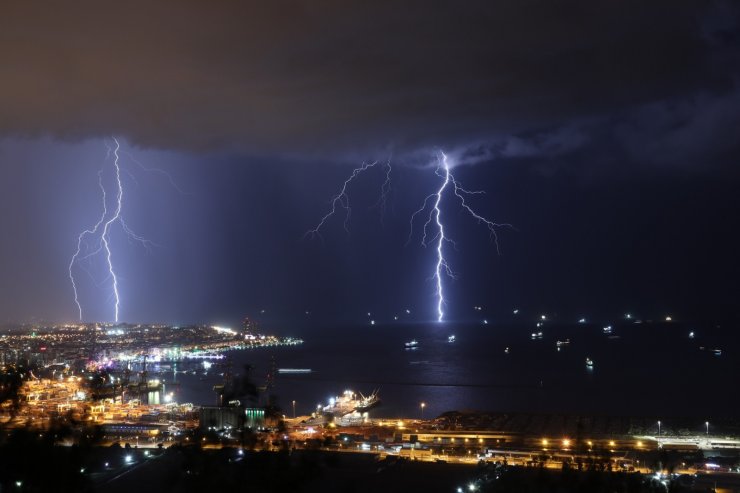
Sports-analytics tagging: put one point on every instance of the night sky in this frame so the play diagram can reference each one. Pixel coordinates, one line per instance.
(606, 132)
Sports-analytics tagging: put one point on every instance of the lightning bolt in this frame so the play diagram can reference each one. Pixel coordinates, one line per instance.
(80, 239)
(105, 237)
(385, 189)
(435, 215)
(100, 234)
(341, 200)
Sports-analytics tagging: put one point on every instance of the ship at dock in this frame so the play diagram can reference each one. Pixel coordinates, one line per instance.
(349, 408)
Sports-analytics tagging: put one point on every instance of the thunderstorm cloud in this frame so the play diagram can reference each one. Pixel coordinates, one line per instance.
(507, 79)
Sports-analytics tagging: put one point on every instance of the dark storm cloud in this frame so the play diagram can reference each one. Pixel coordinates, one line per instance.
(323, 77)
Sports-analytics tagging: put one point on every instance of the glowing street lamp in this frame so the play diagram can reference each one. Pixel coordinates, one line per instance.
(422, 405)
(658, 428)
(706, 423)
(293, 409)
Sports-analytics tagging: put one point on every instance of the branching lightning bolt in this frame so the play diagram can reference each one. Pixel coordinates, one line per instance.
(104, 238)
(341, 200)
(81, 237)
(435, 214)
(100, 235)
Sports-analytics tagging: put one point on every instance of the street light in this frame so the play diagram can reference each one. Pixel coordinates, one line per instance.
(658, 428)
(707, 424)
(294, 409)
(422, 405)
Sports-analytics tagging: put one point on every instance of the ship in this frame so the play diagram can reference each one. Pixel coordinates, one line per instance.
(351, 402)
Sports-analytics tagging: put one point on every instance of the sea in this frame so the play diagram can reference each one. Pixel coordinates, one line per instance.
(640, 369)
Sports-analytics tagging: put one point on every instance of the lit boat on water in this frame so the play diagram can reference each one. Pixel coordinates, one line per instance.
(714, 351)
(412, 344)
(351, 402)
(451, 339)
(589, 363)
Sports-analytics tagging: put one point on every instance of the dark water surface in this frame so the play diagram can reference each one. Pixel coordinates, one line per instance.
(652, 369)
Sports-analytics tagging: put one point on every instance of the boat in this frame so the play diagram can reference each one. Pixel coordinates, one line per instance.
(451, 338)
(536, 335)
(607, 329)
(589, 363)
(411, 344)
(294, 370)
(350, 402)
(563, 343)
